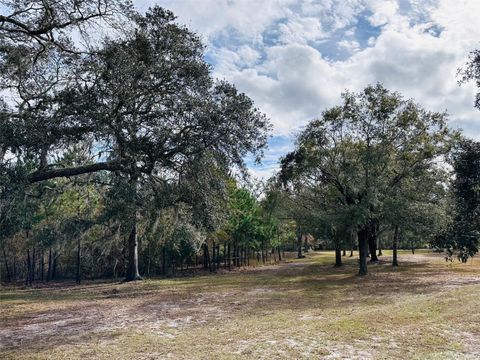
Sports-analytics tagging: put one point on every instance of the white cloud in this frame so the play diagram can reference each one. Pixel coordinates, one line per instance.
(349, 45)
(209, 17)
(293, 85)
(301, 30)
(295, 82)
(383, 11)
(248, 56)
(284, 52)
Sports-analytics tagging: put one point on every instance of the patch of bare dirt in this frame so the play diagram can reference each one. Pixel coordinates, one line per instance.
(167, 311)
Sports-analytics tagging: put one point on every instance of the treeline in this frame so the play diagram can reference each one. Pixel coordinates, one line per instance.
(124, 138)
(122, 156)
(71, 233)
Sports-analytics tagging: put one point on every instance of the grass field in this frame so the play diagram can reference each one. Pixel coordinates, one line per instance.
(303, 309)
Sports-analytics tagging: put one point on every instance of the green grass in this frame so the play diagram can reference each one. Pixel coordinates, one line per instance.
(426, 308)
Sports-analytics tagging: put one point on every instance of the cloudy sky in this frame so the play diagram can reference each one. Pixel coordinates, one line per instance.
(294, 57)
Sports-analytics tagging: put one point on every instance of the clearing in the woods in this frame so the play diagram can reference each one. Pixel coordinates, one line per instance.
(426, 308)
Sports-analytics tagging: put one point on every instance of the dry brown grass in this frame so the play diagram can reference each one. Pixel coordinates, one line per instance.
(426, 308)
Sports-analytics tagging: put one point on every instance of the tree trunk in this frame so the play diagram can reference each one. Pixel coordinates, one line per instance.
(352, 242)
(132, 263)
(206, 256)
(164, 260)
(264, 255)
(362, 251)
(132, 257)
(224, 255)
(234, 254)
(33, 264)
(9, 277)
(149, 260)
(299, 244)
(43, 264)
(238, 255)
(212, 263)
(28, 278)
(54, 265)
(338, 249)
(50, 264)
(114, 270)
(279, 253)
(79, 256)
(229, 260)
(372, 241)
(338, 256)
(395, 246)
(14, 268)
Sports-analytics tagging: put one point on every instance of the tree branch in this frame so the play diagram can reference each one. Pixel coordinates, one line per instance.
(42, 175)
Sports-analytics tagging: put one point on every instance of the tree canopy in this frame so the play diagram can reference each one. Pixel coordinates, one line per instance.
(122, 142)
(461, 235)
(143, 104)
(358, 155)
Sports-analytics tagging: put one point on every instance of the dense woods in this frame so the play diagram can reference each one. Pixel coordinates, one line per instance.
(122, 156)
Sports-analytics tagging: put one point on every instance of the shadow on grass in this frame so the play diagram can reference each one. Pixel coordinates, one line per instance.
(101, 309)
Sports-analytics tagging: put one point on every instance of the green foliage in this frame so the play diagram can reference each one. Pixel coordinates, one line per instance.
(461, 236)
(245, 224)
(349, 164)
(137, 123)
(471, 72)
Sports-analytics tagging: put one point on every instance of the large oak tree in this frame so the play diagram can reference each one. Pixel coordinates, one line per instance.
(145, 101)
(360, 153)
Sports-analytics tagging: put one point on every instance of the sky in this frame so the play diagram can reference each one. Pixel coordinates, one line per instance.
(294, 58)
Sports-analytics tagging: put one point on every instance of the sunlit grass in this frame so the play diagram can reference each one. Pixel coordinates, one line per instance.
(426, 308)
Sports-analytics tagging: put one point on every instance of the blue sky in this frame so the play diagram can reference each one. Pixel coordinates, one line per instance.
(294, 58)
